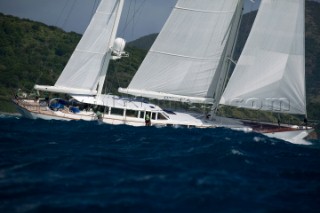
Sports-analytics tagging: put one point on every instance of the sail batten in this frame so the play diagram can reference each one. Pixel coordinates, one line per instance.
(204, 11)
(270, 73)
(93, 52)
(181, 56)
(185, 57)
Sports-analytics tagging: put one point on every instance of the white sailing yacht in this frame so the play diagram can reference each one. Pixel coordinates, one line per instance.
(189, 62)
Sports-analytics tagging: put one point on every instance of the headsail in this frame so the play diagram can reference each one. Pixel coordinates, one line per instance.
(270, 73)
(82, 72)
(182, 63)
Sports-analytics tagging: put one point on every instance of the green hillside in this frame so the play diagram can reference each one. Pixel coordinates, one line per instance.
(144, 42)
(30, 53)
(33, 53)
(313, 60)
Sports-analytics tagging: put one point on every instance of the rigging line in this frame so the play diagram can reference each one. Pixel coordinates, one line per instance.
(203, 11)
(94, 8)
(136, 11)
(127, 17)
(116, 64)
(182, 56)
(69, 13)
(62, 11)
(133, 18)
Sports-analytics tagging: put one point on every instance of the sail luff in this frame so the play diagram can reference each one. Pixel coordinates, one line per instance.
(304, 59)
(224, 67)
(107, 58)
(270, 73)
(230, 59)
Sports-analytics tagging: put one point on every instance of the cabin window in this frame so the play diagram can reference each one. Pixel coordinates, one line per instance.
(153, 116)
(116, 111)
(98, 108)
(161, 117)
(106, 110)
(131, 113)
(102, 109)
(141, 114)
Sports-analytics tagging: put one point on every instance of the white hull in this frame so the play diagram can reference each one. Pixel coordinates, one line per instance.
(33, 110)
(193, 74)
(296, 137)
(34, 115)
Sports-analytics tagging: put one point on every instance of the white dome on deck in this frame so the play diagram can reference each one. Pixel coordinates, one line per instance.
(118, 46)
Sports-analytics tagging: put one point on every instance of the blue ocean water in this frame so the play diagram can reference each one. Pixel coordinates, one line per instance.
(56, 166)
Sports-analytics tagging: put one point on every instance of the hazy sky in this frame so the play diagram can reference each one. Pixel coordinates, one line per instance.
(74, 15)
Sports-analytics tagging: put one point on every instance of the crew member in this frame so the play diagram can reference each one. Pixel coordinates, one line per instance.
(147, 120)
(99, 115)
(305, 121)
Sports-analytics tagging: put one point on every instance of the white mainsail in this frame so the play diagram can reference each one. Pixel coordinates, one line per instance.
(270, 73)
(88, 62)
(182, 64)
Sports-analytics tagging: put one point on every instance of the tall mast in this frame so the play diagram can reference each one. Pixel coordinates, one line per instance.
(304, 55)
(108, 56)
(228, 54)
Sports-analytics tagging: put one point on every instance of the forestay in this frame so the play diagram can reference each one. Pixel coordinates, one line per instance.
(270, 73)
(182, 63)
(80, 76)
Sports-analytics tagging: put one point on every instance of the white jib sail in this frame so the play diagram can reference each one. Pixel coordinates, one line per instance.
(80, 75)
(270, 73)
(183, 61)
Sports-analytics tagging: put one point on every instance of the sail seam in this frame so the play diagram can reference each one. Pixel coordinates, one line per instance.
(103, 13)
(84, 51)
(166, 96)
(204, 11)
(182, 56)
